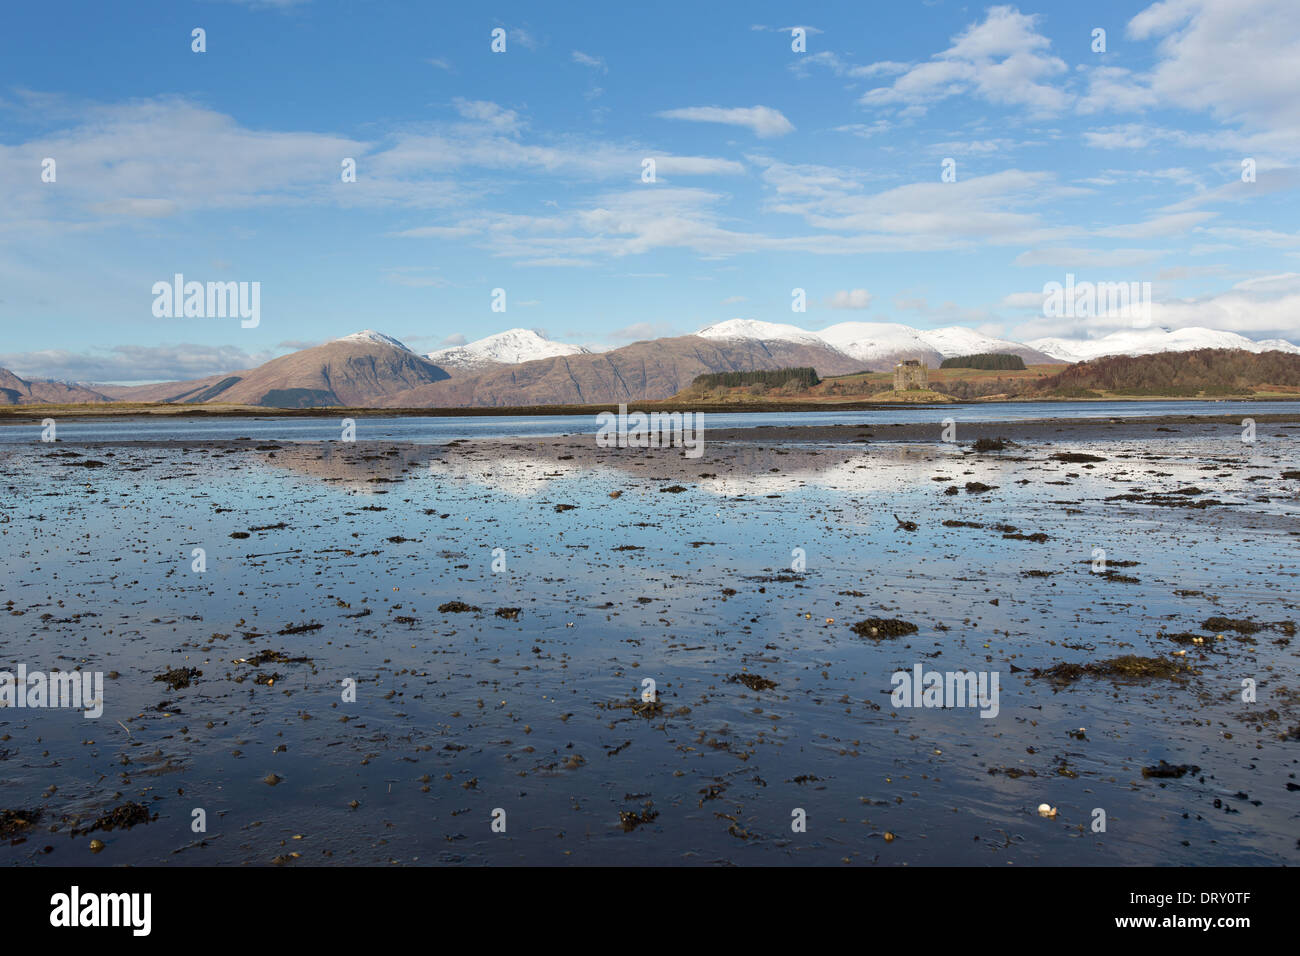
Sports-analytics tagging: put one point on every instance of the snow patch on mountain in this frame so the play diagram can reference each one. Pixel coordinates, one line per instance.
(877, 342)
(872, 341)
(763, 331)
(1154, 340)
(505, 348)
(957, 340)
(371, 337)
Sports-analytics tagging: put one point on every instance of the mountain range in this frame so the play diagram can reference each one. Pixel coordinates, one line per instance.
(520, 367)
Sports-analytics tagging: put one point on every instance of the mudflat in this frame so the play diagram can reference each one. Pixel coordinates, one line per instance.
(395, 653)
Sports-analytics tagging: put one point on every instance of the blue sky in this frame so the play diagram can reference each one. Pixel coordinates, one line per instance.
(523, 170)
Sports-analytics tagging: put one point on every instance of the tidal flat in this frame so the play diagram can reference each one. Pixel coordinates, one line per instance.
(498, 604)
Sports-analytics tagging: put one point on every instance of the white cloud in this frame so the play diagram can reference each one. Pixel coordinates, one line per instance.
(437, 232)
(1261, 307)
(136, 208)
(1177, 273)
(1022, 300)
(1170, 224)
(839, 67)
(1255, 237)
(975, 147)
(164, 157)
(641, 331)
(524, 38)
(415, 277)
(1240, 59)
(1112, 89)
(803, 179)
(167, 157)
(1076, 258)
(762, 120)
(1001, 208)
(488, 113)
(865, 130)
(595, 62)
(1003, 60)
(133, 363)
(850, 299)
(811, 31)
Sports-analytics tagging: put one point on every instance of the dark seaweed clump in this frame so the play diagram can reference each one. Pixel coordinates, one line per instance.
(879, 627)
(1170, 770)
(14, 822)
(457, 607)
(179, 678)
(1126, 667)
(752, 681)
(629, 820)
(119, 818)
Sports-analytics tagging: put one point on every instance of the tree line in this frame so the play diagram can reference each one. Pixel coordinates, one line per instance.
(805, 376)
(991, 361)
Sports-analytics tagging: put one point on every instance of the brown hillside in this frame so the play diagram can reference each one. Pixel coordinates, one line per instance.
(642, 371)
(20, 391)
(353, 374)
(336, 373)
(1180, 374)
(167, 391)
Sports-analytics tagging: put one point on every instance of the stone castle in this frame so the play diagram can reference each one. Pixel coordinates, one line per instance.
(909, 375)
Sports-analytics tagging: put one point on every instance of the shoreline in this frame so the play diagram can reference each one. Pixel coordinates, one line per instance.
(34, 413)
(1101, 428)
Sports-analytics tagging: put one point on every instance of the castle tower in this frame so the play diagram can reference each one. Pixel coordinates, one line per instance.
(909, 375)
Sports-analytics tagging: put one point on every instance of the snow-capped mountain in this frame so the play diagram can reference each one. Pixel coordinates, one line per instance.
(762, 331)
(877, 343)
(505, 348)
(370, 336)
(1153, 340)
(957, 340)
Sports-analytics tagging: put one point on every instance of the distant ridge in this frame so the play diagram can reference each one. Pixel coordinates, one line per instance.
(1155, 340)
(21, 391)
(363, 369)
(523, 367)
(880, 345)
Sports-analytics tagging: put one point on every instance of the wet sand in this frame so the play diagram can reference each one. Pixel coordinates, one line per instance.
(374, 562)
